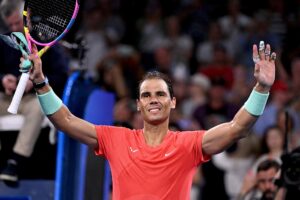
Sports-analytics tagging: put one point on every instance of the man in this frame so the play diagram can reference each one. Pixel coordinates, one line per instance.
(56, 70)
(154, 162)
(263, 186)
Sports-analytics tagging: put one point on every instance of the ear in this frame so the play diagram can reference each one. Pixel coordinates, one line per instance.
(137, 105)
(173, 103)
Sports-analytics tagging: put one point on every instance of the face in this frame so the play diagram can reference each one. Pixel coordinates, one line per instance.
(15, 22)
(275, 139)
(265, 180)
(155, 102)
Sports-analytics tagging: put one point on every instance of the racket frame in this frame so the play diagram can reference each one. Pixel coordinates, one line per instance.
(16, 100)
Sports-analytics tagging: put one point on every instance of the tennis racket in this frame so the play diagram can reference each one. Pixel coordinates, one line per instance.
(45, 23)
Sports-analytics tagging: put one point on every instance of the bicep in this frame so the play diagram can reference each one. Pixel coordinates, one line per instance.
(77, 128)
(217, 139)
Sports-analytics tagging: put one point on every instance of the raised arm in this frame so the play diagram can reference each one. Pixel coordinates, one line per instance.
(220, 137)
(59, 114)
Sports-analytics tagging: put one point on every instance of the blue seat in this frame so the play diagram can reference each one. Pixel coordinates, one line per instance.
(99, 107)
(89, 102)
(98, 110)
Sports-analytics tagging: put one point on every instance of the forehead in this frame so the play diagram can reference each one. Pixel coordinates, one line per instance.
(267, 174)
(15, 15)
(274, 132)
(152, 85)
(13, 19)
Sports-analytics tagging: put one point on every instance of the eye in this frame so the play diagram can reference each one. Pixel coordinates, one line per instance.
(145, 95)
(161, 94)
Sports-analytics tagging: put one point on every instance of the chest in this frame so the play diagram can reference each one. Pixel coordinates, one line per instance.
(170, 157)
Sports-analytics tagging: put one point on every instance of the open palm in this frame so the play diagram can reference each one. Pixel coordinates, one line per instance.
(264, 71)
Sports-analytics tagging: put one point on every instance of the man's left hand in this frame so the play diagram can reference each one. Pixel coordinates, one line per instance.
(264, 60)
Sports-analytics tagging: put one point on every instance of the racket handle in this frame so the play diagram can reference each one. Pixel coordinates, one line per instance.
(14, 105)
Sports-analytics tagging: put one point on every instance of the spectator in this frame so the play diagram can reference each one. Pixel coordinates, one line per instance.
(217, 109)
(234, 25)
(124, 111)
(241, 86)
(259, 31)
(123, 63)
(205, 49)
(220, 67)
(195, 19)
(150, 28)
(198, 88)
(262, 186)
(181, 45)
(271, 146)
(93, 33)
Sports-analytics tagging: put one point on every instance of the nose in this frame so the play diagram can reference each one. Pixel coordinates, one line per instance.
(153, 100)
(269, 185)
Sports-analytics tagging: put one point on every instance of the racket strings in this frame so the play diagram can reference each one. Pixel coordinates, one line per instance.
(49, 19)
(45, 30)
(58, 21)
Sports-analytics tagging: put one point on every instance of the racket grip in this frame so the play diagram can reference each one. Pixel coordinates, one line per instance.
(25, 66)
(14, 105)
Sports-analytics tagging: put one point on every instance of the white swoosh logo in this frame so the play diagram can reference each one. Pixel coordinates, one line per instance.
(168, 154)
(133, 150)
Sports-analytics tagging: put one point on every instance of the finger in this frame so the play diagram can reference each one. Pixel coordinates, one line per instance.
(34, 49)
(21, 62)
(256, 70)
(273, 57)
(255, 55)
(34, 53)
(268, 52)
(24, 55)
(34, 57)
(261, 50)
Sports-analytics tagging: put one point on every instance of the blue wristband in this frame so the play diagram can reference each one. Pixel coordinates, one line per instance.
(50, 102)
(256, 103)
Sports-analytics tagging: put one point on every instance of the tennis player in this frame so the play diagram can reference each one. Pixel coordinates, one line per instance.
(154, 162)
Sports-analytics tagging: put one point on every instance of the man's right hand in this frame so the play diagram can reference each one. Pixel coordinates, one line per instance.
(36, 73)
(9, 83)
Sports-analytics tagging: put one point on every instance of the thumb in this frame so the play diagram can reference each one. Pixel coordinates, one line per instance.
(34, 49)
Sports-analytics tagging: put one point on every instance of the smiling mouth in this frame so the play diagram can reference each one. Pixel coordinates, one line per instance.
(154, 110)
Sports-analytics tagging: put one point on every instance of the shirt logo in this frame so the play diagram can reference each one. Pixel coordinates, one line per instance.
(169, 153)
(133, 150)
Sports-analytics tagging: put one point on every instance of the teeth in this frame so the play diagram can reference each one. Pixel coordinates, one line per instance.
(154, 110)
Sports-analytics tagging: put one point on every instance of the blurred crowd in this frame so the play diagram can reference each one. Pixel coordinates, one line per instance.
(206, 48)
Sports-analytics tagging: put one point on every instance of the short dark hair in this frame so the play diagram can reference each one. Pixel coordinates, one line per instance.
(268, 164)
(157, 75)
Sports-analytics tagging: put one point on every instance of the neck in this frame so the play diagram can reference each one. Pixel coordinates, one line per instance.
(155, 134)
